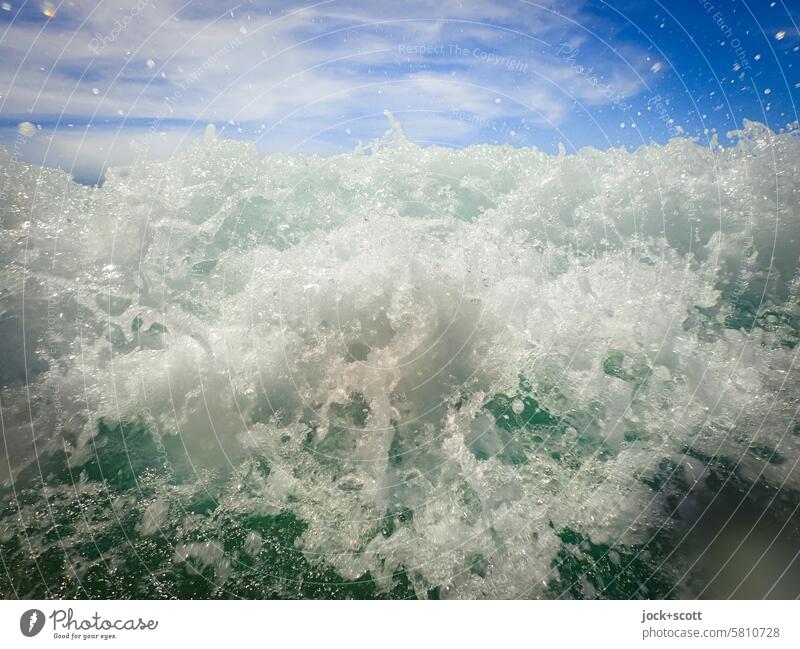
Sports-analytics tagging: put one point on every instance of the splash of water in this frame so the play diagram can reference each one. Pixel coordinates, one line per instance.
(395, 372)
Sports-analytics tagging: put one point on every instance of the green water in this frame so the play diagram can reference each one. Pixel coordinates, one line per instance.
(70, 532)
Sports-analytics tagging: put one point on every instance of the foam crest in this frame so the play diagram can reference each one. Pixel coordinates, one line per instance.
(427, 368)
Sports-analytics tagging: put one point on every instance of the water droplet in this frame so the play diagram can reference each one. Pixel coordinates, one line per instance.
(26, 129)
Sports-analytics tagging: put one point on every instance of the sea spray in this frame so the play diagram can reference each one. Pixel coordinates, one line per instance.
(403, 371)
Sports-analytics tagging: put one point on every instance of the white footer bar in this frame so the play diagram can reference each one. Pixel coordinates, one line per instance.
(406, 625)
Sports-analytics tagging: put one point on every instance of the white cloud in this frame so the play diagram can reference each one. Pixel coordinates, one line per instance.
(299, 69)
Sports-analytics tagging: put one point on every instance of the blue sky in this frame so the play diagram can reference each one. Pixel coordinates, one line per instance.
(95, 77)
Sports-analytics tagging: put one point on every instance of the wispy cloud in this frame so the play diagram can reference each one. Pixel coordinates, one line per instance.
(292, 70)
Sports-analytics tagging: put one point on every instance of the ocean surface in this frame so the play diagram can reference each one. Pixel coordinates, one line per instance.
(404, 372)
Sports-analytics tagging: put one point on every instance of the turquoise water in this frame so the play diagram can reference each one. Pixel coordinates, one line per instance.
(404, 373)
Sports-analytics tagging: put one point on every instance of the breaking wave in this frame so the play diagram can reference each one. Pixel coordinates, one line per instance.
(398, 372)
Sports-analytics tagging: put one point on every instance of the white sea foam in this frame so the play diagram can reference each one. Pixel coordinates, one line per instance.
(349, 318)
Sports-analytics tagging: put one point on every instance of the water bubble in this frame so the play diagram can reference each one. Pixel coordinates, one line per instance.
(26, 129)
